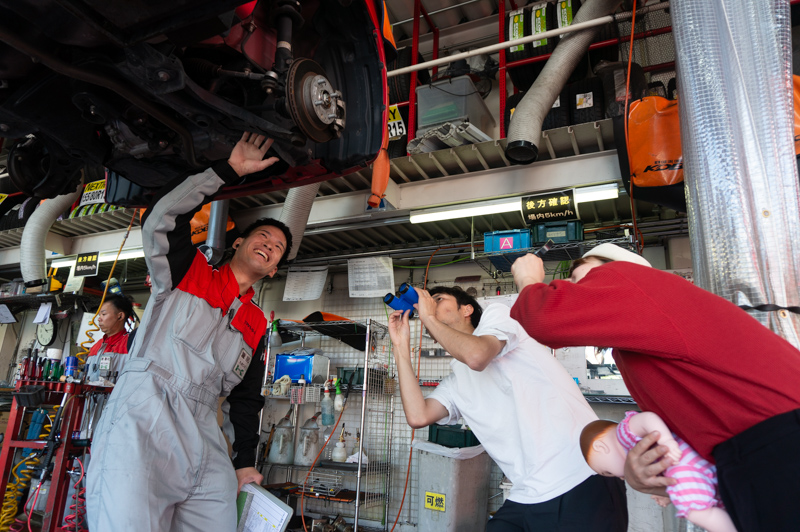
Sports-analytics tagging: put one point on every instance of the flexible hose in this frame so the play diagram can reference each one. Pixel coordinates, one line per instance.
(413, 431)
(75, 520)
(93, 326)
(310, 469)
(637, 234)
(15, 490)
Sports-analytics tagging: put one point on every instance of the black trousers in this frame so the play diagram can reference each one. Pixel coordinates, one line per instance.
(598, 504)
(759, 475)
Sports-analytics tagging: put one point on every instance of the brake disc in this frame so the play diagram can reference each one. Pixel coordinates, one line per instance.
(314, 105)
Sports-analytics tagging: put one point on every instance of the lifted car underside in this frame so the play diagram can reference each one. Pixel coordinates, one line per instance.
(156, 90)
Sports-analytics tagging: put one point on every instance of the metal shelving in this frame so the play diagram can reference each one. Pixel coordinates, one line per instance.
(362, 490)
(502, 261)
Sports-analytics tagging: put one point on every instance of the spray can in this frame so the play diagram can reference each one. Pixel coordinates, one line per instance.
(71, 367)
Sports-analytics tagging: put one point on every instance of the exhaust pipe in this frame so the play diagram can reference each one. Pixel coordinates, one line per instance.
(522, 146)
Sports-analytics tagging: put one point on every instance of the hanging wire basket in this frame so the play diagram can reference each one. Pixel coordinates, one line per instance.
(297, 395)
(327, 483)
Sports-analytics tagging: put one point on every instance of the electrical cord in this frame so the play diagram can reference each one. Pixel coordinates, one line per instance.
(94, 328)
(325, 444)
(637, 234)
(74, 520)
(413, 431)
(310, 469)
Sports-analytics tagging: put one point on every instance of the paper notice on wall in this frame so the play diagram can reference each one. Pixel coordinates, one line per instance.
(305, 283)
(370, 277)
(6, 316)
(43, 314)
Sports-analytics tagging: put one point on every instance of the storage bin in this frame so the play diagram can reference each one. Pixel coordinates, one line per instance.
(558, 232)
(313, 367)
(29, 395)
(453, 100)
(452, 492)
(506, 240)
(452, 436)
(344, 375)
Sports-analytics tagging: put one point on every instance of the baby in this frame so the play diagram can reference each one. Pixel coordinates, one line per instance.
(605, 445)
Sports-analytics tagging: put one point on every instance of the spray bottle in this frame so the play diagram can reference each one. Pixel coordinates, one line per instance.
(326, 405)
(338, 403)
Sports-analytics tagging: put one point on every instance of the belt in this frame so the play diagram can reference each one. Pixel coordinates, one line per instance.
(181, 385)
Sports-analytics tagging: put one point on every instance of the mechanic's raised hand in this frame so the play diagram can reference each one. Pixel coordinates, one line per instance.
(247, 156)
(426, 306)
(246, 475)
(400, 331)
(644, 466)
(528, 269)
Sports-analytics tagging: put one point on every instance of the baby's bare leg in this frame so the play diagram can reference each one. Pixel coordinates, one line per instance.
(712, 519)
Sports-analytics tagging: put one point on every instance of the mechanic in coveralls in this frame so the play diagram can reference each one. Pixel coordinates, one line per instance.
(159, 460)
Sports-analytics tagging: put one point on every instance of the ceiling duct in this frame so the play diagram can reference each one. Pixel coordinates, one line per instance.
(31, 248)
(525, 130)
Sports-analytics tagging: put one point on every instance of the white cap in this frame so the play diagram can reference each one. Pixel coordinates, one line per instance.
(615, 253)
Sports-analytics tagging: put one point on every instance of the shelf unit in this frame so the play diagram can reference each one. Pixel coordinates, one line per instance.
(371, 479)
(502, 261)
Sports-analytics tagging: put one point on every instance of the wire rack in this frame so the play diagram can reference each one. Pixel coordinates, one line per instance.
(360, 490)
(324, 482)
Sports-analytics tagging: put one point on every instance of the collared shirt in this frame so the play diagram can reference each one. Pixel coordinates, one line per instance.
(116, 343)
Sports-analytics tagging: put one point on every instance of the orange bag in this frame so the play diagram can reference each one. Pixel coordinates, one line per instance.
(654, 142)
(200, 224)
(653, 168)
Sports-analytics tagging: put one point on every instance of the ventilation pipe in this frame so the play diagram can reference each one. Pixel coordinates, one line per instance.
(522, 146)
(734, 76)
(295, 212)
(214, 248)
(31, 248)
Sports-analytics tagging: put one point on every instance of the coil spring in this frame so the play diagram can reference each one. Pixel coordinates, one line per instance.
(15, 490)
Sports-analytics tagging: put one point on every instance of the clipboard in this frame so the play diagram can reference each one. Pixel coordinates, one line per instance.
(257, 510)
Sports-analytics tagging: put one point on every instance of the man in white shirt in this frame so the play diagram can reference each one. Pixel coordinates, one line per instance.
(521, 404)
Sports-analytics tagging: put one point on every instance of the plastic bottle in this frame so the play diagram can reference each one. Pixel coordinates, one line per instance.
(326, 405)
(338, 403)
(339, 453)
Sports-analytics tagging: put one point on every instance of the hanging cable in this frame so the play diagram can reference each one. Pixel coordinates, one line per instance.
(76, 520)
(413, 431)
(310, 469)
(637, 234)
(93, 326)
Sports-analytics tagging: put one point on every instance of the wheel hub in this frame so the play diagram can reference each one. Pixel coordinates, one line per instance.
(314, 105)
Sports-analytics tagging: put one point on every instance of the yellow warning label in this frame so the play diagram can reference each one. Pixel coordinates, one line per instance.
(3, 197)
(434, 501)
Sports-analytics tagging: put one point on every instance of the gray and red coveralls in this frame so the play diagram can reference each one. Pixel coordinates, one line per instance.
(159, 460)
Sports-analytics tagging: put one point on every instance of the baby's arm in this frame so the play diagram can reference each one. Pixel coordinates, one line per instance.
(646, 422)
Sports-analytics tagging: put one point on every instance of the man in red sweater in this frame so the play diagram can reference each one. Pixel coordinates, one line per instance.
(717, 377)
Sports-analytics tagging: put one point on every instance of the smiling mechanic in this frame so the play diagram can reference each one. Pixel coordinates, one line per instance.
(159, 460)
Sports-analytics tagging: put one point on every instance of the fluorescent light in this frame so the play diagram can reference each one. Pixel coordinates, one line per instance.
(465, 211)
(105, 256)
(108, 256)
(63, 263)
(596, 193)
